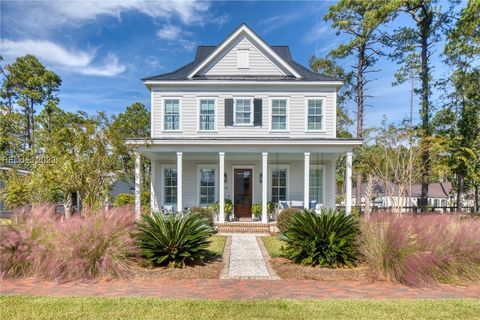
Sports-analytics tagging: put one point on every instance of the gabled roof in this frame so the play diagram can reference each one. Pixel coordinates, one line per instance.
(205, 54)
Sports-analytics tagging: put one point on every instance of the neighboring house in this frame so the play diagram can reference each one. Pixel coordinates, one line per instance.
(440, 195)
(244, 122)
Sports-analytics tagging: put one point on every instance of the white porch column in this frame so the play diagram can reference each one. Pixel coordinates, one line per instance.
(179, 182)
(348, 184)
(221, 193)
(306, 181)
(153, 189)
(138, 185)
(264, 186)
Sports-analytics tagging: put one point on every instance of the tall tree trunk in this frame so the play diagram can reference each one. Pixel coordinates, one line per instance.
(360, 100)
(425, 25)
(69, 206)
(459, 192)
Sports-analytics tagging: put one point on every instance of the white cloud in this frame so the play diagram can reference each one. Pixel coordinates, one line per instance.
(68, 59)
(317, 32)
(169, 32)
(177, 36)
(42, 17)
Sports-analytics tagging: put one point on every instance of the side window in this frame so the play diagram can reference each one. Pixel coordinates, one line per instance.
(171, 118)
(315, 114)
(170, 185)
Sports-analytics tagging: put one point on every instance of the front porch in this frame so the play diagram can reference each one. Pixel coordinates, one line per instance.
(240, 175)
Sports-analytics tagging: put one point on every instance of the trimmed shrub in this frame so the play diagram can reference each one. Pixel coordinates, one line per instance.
(326, 239)
(174, 240)
(419, 250)
(127, 199)
(205, 213)
(284, 219)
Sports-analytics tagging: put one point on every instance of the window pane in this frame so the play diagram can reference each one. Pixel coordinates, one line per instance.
(279, 114)
(207, 186)
(170, 185)
(172, 114)
(207, 114)
(316, 184)
(242, 111)
(279, 185)
(315, 115)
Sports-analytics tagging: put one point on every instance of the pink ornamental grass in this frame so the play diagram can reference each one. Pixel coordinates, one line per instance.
(39, 244)
(420, 250)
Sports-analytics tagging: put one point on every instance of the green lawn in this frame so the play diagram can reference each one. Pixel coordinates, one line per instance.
(24, 308)
(273, 246)
(217, 244)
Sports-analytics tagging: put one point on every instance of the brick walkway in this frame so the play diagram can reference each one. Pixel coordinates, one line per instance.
(235, 289)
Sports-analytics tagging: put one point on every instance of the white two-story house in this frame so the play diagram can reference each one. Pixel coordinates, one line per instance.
(243, 121)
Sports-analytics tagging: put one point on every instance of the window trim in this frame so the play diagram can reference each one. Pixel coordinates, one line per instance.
(270, 174)
(215, 125)
(217, 182)
(287, 129)
(162, 184)
(318, 166)
(180, 109)
(250, 124)
(324, 109)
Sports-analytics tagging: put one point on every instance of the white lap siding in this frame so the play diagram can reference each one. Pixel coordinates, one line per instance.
(296, 113)
(191, 187)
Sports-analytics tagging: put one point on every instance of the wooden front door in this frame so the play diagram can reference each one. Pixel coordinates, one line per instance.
(242, 193)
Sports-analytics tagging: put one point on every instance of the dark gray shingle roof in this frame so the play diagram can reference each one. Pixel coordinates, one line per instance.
(204, 51)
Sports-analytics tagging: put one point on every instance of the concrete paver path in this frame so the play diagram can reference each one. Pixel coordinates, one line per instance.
(246, 259)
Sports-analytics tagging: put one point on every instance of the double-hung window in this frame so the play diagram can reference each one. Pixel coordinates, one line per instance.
(316, 184)
(279, 184)
(243, 111)
(207, 185)
(171, 118)
(279, 114)
(315, 114)
(170, 185)
(207, 114)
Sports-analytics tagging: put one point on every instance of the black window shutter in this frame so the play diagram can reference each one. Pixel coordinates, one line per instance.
(228, 112)
(257, 112)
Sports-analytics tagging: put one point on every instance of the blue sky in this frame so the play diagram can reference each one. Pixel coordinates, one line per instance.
(102, 49)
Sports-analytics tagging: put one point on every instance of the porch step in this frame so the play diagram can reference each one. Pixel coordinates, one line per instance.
(244, 227)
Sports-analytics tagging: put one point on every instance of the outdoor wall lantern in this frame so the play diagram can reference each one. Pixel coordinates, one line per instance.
(225, 177)
(261, 177)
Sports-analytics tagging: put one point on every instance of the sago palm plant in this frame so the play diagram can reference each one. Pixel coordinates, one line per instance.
(326, 239)
(174, 240)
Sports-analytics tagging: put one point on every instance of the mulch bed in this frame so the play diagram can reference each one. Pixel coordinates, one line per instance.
(287, 269)
(207, 270)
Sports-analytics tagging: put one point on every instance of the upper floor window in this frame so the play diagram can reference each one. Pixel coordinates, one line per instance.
(171, 118)
(315, 114)
(207, 115)
(279, 114)
(243, 58)
(243, 111)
